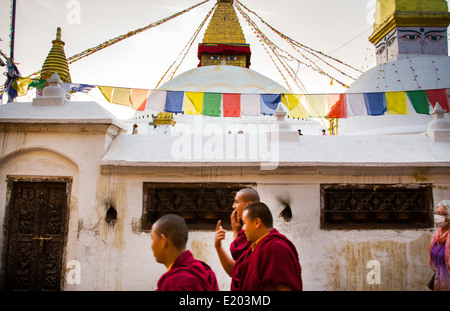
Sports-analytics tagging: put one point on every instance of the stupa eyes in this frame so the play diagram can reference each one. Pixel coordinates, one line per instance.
(231, 57)
(411, 37)
(215, 57)
(434, 37)
(381, 50)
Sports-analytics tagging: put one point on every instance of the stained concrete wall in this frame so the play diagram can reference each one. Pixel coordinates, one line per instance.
(120, 258)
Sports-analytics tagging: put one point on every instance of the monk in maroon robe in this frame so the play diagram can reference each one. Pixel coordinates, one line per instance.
(184, 272)
(240, 243)
(271, 263)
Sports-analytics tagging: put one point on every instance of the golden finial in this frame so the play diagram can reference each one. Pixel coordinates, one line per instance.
(58, 33)
(56, 61)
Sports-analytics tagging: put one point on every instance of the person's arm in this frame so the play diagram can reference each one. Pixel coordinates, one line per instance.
(225, 259)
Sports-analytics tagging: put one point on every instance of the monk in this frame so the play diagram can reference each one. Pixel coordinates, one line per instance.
(240, 244)
(184, 273)
(271, 263)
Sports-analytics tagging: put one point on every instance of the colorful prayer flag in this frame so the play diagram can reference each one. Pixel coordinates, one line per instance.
(396, 103)
(174, 101)
(297, 109)
(77, 87)
(250, 104)
(375, 103)
(438, 96)
(356, 105)
(269, 103)
(193, 103)
(419, 101)
(231, 105)
(138, 99)
(337, 104)
(156, 100)
(106, 91)
(317, 105)
(211, 104)
(21, 85)
(11, 91)
(121, 96)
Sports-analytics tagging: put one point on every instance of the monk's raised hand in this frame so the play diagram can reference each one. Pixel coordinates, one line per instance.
(220, 235)
(235, 221)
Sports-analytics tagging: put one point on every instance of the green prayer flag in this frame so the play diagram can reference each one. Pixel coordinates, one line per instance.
(419, 101)
(212, 104)
(38, 84)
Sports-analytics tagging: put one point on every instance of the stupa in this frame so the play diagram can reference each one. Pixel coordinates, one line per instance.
(56, 61)
(224, 61)
(411, 44)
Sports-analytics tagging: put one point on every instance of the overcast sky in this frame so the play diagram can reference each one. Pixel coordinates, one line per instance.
(340, 28)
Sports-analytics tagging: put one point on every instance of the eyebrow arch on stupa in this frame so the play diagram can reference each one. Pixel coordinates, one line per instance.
(420, 33)
(431, 31)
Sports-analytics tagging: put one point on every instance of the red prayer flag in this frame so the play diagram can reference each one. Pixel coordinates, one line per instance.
(337, 104)
(231, 105)
(138, 99)
(438, 96)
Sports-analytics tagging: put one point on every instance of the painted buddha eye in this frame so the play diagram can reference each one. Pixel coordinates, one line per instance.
(381, 50)
(434, 37)
(231, 57)
(215, 57)
(411, 37)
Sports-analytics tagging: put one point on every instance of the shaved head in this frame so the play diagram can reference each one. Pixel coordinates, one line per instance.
(248, 194)
(174, 228)
(261, 211)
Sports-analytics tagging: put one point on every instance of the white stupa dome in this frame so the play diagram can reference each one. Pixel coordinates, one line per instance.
(408, 73)
(432, 71)
(223, 79)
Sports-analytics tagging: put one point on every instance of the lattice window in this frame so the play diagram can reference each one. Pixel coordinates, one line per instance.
(200, 204)
(376, 206)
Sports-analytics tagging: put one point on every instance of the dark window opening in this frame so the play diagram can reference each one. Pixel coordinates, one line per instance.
(202, 205)
(376, 206)
(286, 213)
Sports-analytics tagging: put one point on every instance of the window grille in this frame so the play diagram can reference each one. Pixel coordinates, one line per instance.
(200, 204)
(376, 206)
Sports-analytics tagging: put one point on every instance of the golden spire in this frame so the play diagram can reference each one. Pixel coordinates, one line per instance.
(224, 41)
(224, 26)
(56, 61)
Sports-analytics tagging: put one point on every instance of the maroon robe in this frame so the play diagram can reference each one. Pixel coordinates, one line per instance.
(274, 261)
(188, 274)
(239, 245)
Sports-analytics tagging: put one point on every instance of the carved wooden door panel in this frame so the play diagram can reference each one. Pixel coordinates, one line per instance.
(36, 235)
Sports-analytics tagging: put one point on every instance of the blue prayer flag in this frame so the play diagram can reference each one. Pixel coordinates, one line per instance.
(174, 101)
(375, 103)
(269, 103)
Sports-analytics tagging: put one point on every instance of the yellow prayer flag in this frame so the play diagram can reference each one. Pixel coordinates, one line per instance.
(121, 96)
(193, 103)
(106, 91)
(396, 103)
(290, 101)
(294, 103)
(317, 105)
(21, 85)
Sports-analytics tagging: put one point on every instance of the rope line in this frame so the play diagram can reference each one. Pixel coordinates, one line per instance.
(296, 42)
(187, 48)
(129, 34)
(275, 48)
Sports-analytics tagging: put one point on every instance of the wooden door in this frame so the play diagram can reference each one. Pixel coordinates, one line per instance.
(37, 216)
